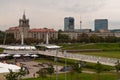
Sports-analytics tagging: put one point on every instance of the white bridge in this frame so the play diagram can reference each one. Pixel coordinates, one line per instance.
(55, 53)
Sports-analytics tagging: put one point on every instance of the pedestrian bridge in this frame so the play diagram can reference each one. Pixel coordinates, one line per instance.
(55, 53)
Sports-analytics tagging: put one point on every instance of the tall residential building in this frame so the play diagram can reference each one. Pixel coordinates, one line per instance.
(68, 24)
(101, 24)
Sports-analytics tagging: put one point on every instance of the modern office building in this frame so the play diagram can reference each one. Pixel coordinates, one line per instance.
(68, 24)
(101, 24)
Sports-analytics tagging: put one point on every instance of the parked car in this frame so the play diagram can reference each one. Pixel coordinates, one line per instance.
(66, 68)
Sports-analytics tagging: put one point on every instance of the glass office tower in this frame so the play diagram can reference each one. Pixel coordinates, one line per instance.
(68, 24)
(101, 24)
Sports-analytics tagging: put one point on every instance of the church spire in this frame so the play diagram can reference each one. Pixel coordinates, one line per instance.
(24, 17)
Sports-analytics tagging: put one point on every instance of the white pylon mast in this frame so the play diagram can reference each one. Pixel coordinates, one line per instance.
(22, 36)
(47, 38)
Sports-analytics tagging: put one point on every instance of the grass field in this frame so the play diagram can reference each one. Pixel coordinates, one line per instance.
(1, 50)
(111, 50)
(103, 46)
(82, 76)
(111, 54)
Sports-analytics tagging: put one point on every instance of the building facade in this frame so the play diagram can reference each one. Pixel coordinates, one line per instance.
(77, 35)
(69, 24)
(101, 24)
(24, 29)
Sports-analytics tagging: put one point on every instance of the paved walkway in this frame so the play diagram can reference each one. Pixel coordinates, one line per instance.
(33, 67)
(87, 58)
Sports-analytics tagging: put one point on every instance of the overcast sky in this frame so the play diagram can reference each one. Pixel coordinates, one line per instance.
(51, 13)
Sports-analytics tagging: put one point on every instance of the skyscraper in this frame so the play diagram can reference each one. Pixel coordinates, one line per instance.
(101, 24)
(68, 24)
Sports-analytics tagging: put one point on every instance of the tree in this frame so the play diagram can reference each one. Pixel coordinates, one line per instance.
(117, 67)
(16, 75)
(94, 38)
(12, 75)
(50, 70)
(42, 73)
(98, 69)
(22, 72)
(77, 68)
(111, 39)
(63, 38)
(2, 37)
(9, 38)
(84, 38)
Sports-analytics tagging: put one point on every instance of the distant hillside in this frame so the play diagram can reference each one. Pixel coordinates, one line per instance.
(102, 46)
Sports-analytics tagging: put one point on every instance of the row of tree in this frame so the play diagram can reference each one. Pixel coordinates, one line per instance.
(84, 38)
(62, 38)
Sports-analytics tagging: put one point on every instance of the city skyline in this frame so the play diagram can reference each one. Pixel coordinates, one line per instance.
(51, 13)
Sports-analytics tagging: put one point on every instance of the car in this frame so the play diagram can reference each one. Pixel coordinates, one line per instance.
(66, 68)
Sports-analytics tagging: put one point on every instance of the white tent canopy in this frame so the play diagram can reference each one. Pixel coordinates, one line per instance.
(5, 67)
(20, 47)
(27, 55)
(34, 55)
(53, 47)
(16, 55)
(49, 46)
(2, 55)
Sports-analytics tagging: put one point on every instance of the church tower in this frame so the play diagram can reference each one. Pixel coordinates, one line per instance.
(24, 26)
(24, 22)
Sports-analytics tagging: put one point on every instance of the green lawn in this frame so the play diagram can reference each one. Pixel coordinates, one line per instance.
(1, 49)
(103, 46)
(111, 54)
(109, 49)
(82, 76)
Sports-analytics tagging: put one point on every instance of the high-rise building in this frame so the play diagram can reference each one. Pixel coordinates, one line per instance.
(68, 24)
(101, 24)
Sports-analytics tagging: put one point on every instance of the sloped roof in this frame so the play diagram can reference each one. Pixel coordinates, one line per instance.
(42, 30)
(14, 28)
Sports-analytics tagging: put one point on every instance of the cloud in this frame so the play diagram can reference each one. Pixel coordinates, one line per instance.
(51, 12)
(82, 6)
(76, 6)
(85, 6)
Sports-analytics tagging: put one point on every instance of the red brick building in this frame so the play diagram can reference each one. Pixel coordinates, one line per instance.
(24, 28)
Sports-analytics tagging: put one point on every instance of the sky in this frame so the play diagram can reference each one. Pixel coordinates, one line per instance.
(51, 13)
